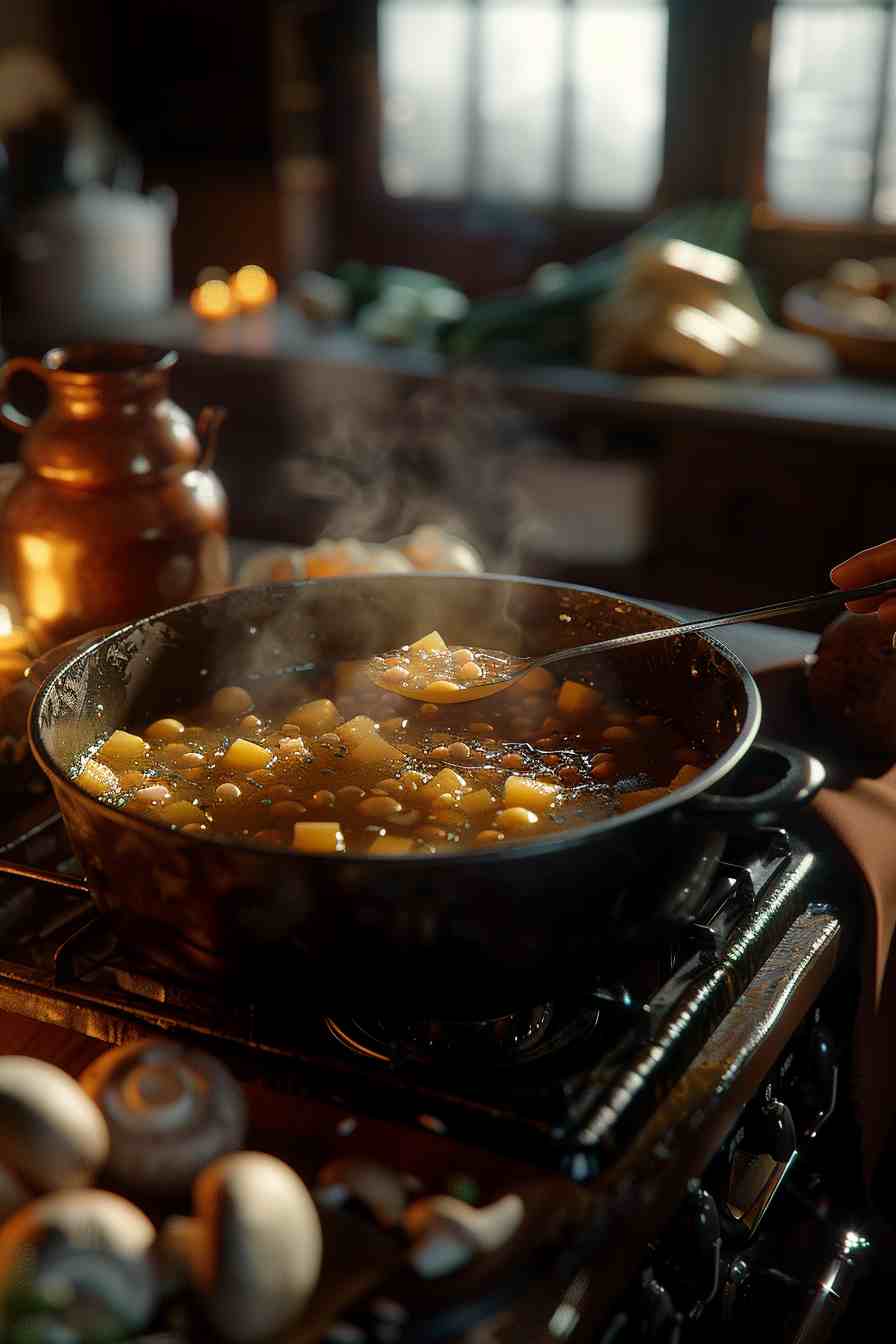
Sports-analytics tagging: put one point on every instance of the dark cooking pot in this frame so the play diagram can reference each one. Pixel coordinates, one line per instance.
(464, 935)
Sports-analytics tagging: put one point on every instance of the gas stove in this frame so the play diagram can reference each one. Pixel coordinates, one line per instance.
(671, 1127)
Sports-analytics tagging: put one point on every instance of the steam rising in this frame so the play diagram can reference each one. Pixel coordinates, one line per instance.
(382, 462)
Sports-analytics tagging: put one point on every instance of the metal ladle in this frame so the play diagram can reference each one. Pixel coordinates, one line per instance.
(515, 668)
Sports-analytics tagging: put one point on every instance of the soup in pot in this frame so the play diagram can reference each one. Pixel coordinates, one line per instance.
(328, 763)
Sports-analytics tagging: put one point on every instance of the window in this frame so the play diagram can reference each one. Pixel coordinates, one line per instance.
(541, 102)
(831, 146)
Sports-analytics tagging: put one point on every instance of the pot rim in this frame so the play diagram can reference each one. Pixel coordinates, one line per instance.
(512, 851)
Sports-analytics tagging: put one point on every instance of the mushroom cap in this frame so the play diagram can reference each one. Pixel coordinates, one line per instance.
(51, 1133)
(170, 1110)
(257, 1252)
(80, 1260)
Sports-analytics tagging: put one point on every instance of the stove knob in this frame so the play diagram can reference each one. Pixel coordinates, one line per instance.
(690, 1251)
(657, 1318)
(770, 1130)
(760, 1163)
(813, 1090)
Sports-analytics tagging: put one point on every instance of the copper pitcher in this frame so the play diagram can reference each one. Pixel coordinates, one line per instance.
(118, 513)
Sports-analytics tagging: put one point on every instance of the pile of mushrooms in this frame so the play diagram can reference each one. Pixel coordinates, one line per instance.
(163, 1124)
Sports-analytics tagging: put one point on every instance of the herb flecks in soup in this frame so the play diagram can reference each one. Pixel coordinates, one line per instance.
(429, 670)
(331, 763)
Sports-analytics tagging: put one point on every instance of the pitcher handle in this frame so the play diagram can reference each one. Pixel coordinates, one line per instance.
(208, 429)
(9, 414)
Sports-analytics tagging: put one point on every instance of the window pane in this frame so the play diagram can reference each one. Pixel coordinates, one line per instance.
(521, 74)
(619, 86)
(885, 197)
(424, 49)
(825, 76)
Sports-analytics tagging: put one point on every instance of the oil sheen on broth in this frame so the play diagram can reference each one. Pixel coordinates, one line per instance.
(329, 762)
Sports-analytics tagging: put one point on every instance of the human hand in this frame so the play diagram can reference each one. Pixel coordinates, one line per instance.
(870, 566)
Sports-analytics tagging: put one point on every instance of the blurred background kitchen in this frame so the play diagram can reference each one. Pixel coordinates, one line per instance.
(583, 282)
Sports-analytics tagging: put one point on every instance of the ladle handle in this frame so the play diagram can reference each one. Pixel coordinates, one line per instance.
(732, 618)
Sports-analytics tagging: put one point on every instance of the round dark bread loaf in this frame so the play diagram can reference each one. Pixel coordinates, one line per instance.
(852, 685)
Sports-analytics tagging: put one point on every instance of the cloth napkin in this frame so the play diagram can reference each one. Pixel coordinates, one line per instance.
(863, 816)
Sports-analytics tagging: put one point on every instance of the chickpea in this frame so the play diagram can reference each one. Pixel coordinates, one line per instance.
(164, 730)
(192, 759)
(193, 828)
(480, 726)
(618, 732)
(470, 672)
(290, 810)
(194, 775)
(289, 730)
(379, 807)
(250, 724)
(228, 793)
(154, 793)
(462, 656)
(230, 701)
(429, 711)
(513, 761)
(350, 794)
(392, 787)
(323, 798)
(603, 768)
(569, 775)
(546, 743)
(489, 837)
(131, 779)
(459, 751)
(394, 676)
(441, 753)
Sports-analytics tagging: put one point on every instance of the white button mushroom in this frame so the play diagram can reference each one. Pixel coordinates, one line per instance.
(447, 1234)
(170, 1111)
(51, 1134)
(75, 1265)
(253, 1250)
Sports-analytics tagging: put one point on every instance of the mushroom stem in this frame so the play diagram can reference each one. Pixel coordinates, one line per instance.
(254, 1247)
(447, 1234)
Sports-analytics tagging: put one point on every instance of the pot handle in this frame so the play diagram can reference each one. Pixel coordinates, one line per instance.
(803, 776)
(9, 414)
(208, 428)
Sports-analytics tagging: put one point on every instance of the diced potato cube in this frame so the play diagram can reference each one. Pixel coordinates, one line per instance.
(446, 781)
(627, 802)
(318, 837)
(539, 679)
(357, 728)
(532, 793)
(318, 716)
(244, 755)
(97, 779)
(165, 730)
(180, 814)
(515, 819)
(375, 750)
(121, 748)
(431, 643)
(575, 698)
(391, 844)
(477, 802)
(685, 775)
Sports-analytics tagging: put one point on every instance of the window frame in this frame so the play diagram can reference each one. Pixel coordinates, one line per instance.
(713, 147)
